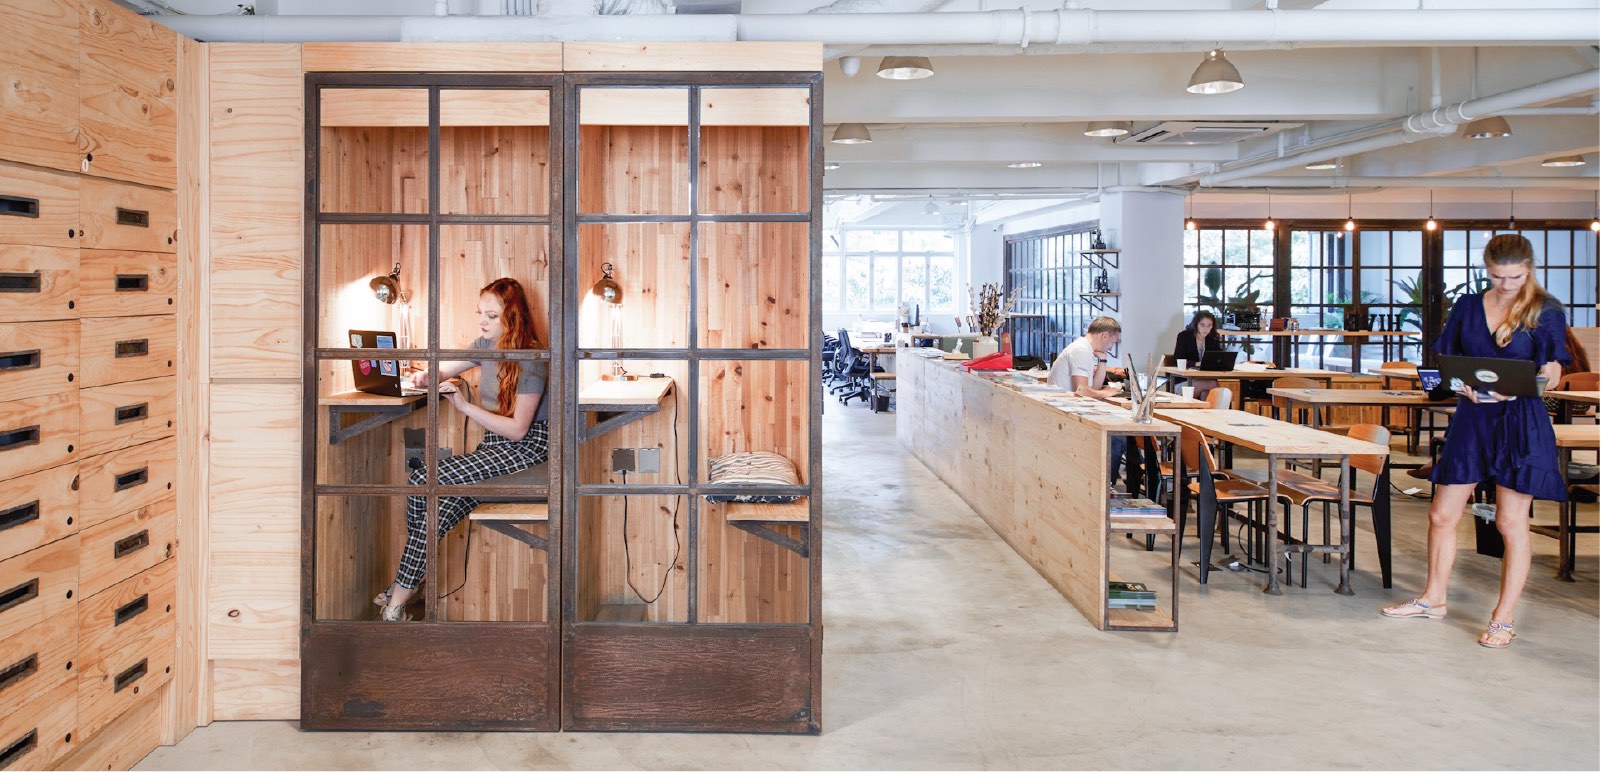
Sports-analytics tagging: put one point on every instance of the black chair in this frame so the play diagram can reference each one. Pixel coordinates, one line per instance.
(854, 370)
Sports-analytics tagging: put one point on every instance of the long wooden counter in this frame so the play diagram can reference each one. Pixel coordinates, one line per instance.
(1033, 464)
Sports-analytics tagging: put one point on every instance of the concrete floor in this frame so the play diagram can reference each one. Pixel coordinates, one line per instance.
(945, 650)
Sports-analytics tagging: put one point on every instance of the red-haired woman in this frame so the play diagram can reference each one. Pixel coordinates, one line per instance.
(512, 411)
(1499, 438)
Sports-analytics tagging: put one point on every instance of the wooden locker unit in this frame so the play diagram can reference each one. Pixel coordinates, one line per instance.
(123, 415)
(126, 283)
(39, 59)
(127, 348)
(128, 84)
(38, 508)
(38, 358)
(38, 207)
(40, 283)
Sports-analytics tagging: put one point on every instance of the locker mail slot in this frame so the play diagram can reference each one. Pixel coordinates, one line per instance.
(19, 515)
(20, 748)
(37, 509)
(133, 282)
(19, 206)
(22, 282)
(127, 480)
(131, 609)
(132, 479)
(19, 594)
(131, 544)
(133, 348)
(127, 677)
(123, 546)
(37, 733)
(21, 360)
(38, 586)
(138, 218)
(128, 413)
(17, 672)
(121, 349)
(123, 415)
(38, 659)
(124, 612)
(121, 678)
(19, 438)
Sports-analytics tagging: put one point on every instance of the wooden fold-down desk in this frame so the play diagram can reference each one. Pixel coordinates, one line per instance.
(379, 409)
(618, 403)
(1035, 472)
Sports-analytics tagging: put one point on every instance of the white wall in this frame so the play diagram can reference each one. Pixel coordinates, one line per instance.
(1149, 227)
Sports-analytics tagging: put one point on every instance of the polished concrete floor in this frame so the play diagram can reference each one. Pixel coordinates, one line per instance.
(945, 650)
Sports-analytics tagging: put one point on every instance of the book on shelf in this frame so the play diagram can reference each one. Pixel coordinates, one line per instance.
(1136, 605)
(1132, 507)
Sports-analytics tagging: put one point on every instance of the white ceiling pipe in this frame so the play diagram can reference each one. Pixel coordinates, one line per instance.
(1570, 183)
(1014, 28)
(1418, 126)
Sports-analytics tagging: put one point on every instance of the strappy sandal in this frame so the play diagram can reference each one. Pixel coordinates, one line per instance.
(381, 599)
(1498, 635)
(394, 614)
(1414, 608)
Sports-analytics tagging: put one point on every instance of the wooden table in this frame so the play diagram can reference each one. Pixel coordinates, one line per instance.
(619, 403)
(1285, 353)
(873, 375)
(1246, 375)
(1280, 441)
(1570, 437)
(1314, 400)
(1409, 374)
(1566, 400)
(1164, 402)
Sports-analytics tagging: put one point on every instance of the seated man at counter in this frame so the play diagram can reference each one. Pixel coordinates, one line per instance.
(1081, 368)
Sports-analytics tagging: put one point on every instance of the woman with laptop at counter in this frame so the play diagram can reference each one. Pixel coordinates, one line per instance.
(1197, 338)
(1493, 436)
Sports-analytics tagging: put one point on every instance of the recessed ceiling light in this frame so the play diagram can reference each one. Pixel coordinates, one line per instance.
(851, 134)
(1215, 75)
(1107, 128)
(1025, 165)
(1564, 160)
(1321, 165)
(830, 166)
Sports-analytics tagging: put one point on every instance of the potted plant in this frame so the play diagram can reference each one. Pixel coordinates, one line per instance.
(990, 311)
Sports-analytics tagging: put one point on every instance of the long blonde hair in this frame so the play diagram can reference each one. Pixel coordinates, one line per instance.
(1510, 249)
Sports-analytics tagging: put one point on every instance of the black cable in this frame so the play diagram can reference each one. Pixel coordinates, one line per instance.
(628, 572)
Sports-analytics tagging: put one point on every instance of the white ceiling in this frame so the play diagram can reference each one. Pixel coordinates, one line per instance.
(993, 103)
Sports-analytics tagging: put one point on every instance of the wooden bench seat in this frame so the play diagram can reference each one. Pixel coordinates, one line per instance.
(883, 376)
(783, 514)
(512, 512)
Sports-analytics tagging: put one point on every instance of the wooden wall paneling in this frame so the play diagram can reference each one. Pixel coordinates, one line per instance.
(655, 544)
(122, 283)
(49, 201)
(253, 587)
(753, 284)
(51, 496)
(651, 262)
(55, 568)
(359, 539)
(476, 56)
(46, 282)
(256, 689)
(127, 348)
(352, 255)
(504, 580)
(53, 718)
(126, 414)
(371, 107)
(39, 65)
(752, 107)
(374, 169)
(38, 358)
(745, 579)
(111, 551)
(495, 169)
(123, 742)
(113, 484)
(472, 256)
(117, 215)
(53, 645)
(127, 84)
(666, 430)
(633, 169)
(750, 405)
(760, 169)
(189, 703)
(55, 419)
(256, 180)
(692, 56)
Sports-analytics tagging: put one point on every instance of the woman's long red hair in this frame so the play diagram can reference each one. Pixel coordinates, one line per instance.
(519, 323)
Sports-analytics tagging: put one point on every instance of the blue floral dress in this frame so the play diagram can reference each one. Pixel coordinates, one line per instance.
(1510, 443)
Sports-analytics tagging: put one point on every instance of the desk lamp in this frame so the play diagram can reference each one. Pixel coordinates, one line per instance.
(610, 292)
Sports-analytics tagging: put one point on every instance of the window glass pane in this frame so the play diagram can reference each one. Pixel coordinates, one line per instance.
(884, 283)
(1262, 248)
(1192, 246)
(831, 283)
(928, 241)
(914, 281)
(1406, 248)
(1584, 287)
(856, 270)
(1375, 285)
(1375, 248)
(1559, 248)
(942, 284)
(616, 125)
(1560, 284)
(1584, 248)
(1300, 248)
(1456, 248)
(1211, 247)
(871, 241)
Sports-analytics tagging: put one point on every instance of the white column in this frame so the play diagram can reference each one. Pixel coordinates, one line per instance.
(1148, 226)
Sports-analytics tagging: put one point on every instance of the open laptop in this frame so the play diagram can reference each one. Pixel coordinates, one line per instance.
(1218, 361)
(1508, 377)
(378, 376)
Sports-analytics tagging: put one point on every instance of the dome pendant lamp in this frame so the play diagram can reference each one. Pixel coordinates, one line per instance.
(1215, 75)
(851, 134)
(905, 68)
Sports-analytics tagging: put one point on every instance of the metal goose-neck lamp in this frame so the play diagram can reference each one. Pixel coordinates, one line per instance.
(607, 288)
(386, 288)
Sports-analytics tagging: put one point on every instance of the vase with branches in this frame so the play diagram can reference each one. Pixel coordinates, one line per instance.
(991, 307)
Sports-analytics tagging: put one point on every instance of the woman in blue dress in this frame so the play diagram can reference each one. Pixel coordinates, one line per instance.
(1499, 438)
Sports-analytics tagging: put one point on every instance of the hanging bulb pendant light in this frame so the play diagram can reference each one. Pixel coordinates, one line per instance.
(1189, 214)
(1431, 225)
(1269, 224)
(1350, 220)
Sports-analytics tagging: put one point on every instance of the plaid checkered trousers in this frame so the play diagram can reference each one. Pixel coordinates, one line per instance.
(494, 457)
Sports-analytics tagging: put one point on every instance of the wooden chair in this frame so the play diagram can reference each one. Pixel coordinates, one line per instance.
(1220, 398)
(1253, 392)
(1305, 490)
(1576, 382)
(1214, 497)
(1281, 406)
(1413, 426)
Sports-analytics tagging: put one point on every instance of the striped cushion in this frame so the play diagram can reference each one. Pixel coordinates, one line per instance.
(756, 468)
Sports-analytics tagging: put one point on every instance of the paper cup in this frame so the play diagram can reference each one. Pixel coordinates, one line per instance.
(1188, 392)
(1184, 364)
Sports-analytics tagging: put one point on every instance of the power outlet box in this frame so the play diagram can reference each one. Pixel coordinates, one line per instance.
(622, 460)
(648, 460)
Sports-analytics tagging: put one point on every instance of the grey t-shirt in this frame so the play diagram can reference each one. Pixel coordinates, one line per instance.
(530, 381)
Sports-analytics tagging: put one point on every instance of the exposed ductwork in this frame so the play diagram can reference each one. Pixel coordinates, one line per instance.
(1010, 28)
(1438, 122)
(1342, 182)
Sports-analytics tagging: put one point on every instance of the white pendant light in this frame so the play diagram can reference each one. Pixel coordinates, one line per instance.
(1493, 127)
(1024, 165)
(1322, 165)
(1107, 128)
(905, 67)
(851, 134)
(1562, 161)
(1215, 75)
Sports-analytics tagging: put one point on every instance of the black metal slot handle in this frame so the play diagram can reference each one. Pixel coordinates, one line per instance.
(126, 678)
(132, 479)
(19, 670)
(133, 282)
(21, 360)
(19, 594)
(132, 609)
(131, 544)
(22, 282)
(22, 514)
(19, 748)
(129, 413)
(19, 438)
(133, 348)
(19, 206)
(138, 218)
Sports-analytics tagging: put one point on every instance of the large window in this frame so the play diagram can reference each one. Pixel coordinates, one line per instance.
(1050, 274)
(1228, 269)
(879, 271)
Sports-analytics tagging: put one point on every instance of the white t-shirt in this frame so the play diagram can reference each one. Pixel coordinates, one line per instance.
(1077, 359)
